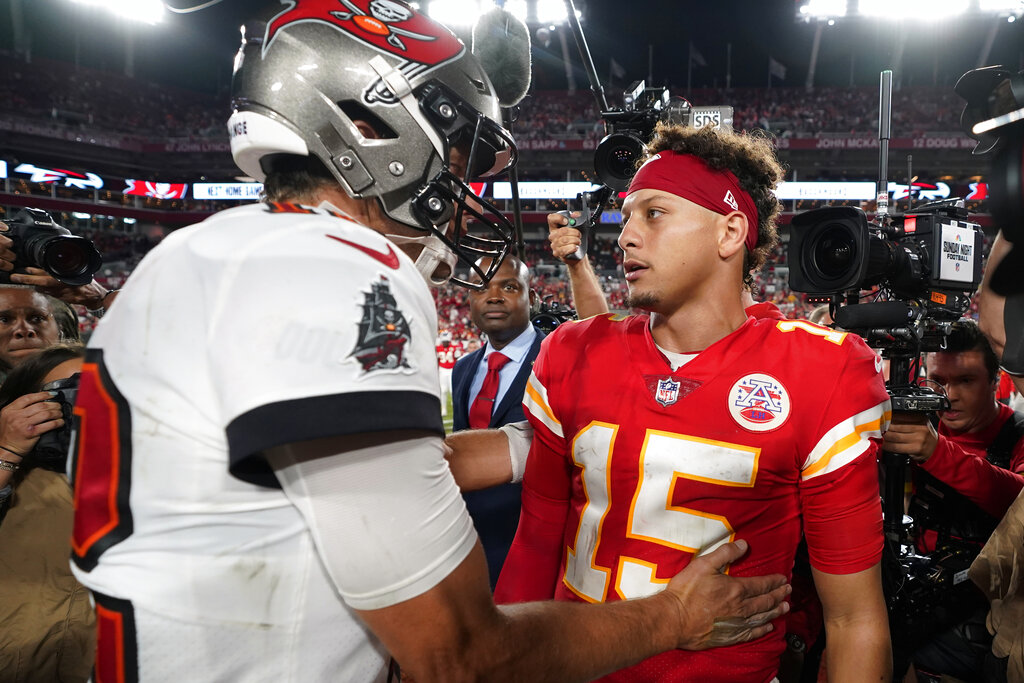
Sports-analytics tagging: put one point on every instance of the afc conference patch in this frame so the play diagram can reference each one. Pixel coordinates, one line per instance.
(759, 402)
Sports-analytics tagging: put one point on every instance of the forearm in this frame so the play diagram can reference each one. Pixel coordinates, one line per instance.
(990, 487)
(856, 626)
(568, 641)
(859, 651)
(479, 459)
(587, 295)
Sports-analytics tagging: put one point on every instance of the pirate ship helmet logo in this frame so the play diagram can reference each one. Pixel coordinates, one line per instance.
(383, 331)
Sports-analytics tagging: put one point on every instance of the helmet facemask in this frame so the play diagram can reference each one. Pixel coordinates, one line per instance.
(295, 86)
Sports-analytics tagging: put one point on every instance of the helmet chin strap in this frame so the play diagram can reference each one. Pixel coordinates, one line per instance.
(436, 262)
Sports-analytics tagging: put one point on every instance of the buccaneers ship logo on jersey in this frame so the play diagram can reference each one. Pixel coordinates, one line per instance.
(383, 331)
(759, 402)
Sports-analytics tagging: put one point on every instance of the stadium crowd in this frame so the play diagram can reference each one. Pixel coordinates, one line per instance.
(94, 101)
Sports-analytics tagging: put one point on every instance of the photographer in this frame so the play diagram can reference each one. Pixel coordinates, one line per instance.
(975, 459)
(49, 626)
(94, 296)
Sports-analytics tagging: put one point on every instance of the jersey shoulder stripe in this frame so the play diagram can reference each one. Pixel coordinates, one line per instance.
(535, 401)
(844, 442)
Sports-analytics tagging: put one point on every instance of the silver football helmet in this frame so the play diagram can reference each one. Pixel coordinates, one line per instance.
(303, 78)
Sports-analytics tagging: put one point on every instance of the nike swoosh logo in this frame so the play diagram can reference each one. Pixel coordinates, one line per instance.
(388, 258)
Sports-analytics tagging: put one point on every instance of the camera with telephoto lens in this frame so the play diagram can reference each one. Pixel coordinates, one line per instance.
(40, 243)
(51, 451)
(927, 261)
(923, 265)
(630, 127)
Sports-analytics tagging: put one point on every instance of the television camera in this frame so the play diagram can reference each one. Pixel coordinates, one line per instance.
(920, 269)
(631, 126)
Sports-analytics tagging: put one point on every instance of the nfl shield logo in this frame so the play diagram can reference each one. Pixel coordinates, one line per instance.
(668, 392)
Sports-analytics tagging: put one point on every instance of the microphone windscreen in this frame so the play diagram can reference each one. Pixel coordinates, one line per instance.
(502, 44)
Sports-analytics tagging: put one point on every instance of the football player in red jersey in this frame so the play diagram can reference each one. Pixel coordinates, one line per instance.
(448, 352)
(660, 436)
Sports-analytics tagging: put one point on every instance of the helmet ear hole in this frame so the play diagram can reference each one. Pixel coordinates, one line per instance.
(357, 112)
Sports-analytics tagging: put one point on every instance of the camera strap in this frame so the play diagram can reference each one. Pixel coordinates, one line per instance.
(1000, 451)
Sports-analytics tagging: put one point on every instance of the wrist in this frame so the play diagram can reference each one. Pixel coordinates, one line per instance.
(101, 304)
(668, 625)
(11, 454)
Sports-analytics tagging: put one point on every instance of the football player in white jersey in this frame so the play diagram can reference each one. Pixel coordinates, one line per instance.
(260, 488)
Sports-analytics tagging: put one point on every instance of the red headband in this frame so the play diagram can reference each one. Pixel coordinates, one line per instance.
(686, 176)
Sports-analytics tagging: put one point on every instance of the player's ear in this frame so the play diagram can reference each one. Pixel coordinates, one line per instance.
(365, 129)
(733, 236)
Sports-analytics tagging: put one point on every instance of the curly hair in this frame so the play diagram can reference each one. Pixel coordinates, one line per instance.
(751, 158)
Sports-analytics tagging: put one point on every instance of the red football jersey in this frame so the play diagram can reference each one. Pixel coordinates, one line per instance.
(635, 468)
(447, 355)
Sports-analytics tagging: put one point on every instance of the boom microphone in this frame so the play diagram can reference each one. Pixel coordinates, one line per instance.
(502, 44)
(878, 314)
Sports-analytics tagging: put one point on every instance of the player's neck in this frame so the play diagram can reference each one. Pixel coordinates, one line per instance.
(695, 326)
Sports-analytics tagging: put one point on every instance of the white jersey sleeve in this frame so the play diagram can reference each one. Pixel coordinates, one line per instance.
(304, 350)
(410, 536)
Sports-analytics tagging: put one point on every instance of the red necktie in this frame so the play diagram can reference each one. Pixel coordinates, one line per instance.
(483, 405)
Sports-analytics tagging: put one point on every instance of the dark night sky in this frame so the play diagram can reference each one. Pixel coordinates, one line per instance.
(195, 50)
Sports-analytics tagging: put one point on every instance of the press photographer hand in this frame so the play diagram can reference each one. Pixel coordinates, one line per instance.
(24, 420)
(92, 295)
(911, 434)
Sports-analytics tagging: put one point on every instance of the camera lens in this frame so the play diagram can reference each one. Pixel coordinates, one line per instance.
(834, 253)
(615, 159)
(72, 260)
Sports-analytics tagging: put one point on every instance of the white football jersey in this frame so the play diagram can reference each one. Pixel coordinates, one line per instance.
(262, 326)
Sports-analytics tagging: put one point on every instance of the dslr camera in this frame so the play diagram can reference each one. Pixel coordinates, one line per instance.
(39, 242)
(51, 451)
(630, 127)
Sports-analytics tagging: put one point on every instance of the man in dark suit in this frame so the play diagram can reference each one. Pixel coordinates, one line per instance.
(488, 387)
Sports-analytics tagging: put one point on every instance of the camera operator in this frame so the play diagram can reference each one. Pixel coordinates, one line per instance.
(977, 453)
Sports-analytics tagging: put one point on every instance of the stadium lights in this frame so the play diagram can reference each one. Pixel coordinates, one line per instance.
(458, 12)
(1001, 5)
(146, 11)
(912, 9)
(823, 9)
(463, 13)
(553, 12)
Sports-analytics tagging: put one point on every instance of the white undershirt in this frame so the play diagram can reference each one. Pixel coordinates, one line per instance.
(676, 360)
